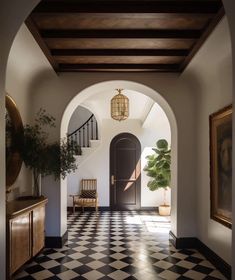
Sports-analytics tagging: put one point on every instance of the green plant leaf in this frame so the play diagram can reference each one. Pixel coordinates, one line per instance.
(158, 166)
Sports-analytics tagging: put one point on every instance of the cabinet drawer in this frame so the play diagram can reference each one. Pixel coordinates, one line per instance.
(20, 241)
(38, 229)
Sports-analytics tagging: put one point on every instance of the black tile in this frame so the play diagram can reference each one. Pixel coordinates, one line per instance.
(85, 260)
(106, 278)
(34, 268)
(69, 251)
(187, 252)
(42, 259)
(26, 278)
(82, 269)
(193, 259)
(130, 269)
(53, 278)
(58, 269)
(64, 259)
(208, 277)
(106, 269)
(113, 224)
(49, 251)
(172, 260)
(178, 269)
(184, 278)
(202, 269)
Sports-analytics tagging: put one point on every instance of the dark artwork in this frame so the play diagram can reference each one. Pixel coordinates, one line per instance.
(225, 167)
(221, 166)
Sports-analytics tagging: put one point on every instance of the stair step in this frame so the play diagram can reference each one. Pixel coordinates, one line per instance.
(94, 143)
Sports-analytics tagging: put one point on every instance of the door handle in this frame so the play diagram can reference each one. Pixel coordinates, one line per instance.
(112, 180)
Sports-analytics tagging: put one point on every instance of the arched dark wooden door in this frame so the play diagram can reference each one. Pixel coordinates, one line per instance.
(125, 172)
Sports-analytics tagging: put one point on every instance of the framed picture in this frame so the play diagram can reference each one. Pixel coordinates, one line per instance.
(221, 166)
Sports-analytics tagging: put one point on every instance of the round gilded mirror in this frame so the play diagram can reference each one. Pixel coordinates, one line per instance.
(14, 136)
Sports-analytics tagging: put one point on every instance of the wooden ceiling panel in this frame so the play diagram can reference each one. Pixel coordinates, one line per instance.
(121, 21)
(123, 35)
(73, 43)
(119, 59)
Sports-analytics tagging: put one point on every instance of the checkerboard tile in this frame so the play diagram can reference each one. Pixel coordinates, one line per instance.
(118, 245)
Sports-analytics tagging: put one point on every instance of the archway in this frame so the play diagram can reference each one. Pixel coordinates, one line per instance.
(138, 88)
(10, 30)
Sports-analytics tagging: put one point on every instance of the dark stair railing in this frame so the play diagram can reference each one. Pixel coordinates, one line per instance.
(86, 132)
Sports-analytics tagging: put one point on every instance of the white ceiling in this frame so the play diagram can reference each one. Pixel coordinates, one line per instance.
(139, 104)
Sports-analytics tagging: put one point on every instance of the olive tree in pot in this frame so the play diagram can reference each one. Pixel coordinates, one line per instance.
(158, 168)
(44, 157)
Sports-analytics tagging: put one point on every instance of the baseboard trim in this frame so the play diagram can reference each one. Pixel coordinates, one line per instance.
(183, 242)
(56, 241)
(149, 209)
(195, 243)
(216, 260)
(108, 208)
(101, 208)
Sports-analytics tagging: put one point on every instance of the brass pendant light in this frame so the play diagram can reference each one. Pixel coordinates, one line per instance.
(119, 106)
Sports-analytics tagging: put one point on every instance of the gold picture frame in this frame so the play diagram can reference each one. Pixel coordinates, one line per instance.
(221, 166)
(14, 138)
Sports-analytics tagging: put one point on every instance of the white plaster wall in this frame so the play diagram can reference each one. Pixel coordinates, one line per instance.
(11, 17)
(66, 86)
(25, 61)
(79, 117)
(19, 71)
(96, 165)
(212, 83)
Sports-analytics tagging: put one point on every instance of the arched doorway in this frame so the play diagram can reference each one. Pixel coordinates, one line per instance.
(125, 172)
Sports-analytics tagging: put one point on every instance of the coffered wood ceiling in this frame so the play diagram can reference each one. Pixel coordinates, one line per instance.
(119, 35)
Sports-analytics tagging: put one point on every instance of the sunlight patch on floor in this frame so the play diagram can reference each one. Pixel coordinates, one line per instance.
(155, 224)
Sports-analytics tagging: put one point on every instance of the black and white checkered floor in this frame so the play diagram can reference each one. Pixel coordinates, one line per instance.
(119, 245)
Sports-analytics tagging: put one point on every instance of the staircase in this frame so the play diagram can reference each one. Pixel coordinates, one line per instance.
(86, 136)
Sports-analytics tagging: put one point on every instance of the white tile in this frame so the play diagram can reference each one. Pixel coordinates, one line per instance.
(95, 264)
(118, 256)
(194, 275)
(163, 264)
(76, 256)
(186, 264)
(97, 256)
(159, 256)
(207, 264)
(167, 274)
(49, 264)
(67, 275)
(118, 264)
(94, 275)
(217, 274)
(44, 274)
(118, 275)
(72, 264)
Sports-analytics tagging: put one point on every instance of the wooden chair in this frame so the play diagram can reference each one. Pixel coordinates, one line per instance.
(88, 196)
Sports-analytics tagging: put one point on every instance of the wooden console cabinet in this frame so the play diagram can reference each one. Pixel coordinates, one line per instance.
(25, 231)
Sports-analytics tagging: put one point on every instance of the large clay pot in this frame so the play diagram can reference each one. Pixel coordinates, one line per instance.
(164, 210)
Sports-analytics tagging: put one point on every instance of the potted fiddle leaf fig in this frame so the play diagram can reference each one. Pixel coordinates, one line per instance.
(44, 157)
(158, 169)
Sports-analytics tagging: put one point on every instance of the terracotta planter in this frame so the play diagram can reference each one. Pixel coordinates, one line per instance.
(164, 210)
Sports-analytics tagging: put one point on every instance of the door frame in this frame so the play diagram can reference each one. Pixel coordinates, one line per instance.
(111, 167)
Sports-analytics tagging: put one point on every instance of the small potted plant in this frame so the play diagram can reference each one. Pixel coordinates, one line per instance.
(158, 168)
(45, 158)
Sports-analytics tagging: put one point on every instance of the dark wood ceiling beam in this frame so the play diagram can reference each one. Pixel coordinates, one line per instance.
(33, 29)
(121, 33)
(128, 6)
(172, 67)
(207, 31)
(118, 52)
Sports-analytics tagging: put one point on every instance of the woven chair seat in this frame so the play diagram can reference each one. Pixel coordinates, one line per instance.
(88, 195)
